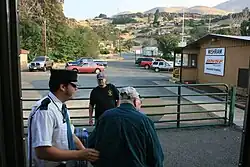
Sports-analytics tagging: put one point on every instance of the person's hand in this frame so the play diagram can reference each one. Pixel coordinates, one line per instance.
(91, 121)
(89, 154)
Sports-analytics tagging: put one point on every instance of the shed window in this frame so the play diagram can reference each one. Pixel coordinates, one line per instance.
(192, 60)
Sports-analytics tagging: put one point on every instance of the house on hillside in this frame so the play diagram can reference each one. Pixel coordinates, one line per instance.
(106, 45)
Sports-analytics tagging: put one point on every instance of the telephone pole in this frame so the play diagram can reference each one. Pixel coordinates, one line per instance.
(44, 36)
(183, 26)
(209, 25)
(44, 28)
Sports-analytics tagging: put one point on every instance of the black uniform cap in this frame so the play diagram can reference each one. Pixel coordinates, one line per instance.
(62, 76)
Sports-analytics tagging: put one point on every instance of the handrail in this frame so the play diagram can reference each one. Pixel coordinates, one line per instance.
(179, 102)
(144, 86)
(157, 114)
(143, 97)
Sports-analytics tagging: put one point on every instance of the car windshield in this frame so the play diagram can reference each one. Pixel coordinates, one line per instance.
(81, 64)
(155, 63)
(39, 59)
(79, 59)
(85, 59)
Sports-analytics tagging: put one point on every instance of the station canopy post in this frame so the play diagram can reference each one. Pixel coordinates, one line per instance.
(12, 152)
(245, 141)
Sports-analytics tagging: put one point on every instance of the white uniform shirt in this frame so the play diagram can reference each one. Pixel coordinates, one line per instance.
(47, 129)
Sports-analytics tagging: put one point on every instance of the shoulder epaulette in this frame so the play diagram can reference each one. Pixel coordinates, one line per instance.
(44, 104)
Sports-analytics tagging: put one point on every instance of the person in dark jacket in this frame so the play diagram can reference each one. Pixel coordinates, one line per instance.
(104, 97)
(126, 137)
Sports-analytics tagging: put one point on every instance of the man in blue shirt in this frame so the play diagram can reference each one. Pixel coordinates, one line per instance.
(126, 137)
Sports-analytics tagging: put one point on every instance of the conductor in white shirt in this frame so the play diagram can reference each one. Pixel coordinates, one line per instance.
(51, 141)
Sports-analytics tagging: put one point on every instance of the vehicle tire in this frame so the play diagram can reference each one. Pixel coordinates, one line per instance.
(147, 67)
(157, 69)
(30, 70)
(44, 69)
(97, 71)
(76, 70)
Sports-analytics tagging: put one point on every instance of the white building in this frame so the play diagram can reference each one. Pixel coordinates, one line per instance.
(150, 51)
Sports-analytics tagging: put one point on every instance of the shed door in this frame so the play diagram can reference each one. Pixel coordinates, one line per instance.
(242, 78)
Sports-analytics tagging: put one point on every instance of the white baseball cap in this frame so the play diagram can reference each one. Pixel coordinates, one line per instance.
(129, 93)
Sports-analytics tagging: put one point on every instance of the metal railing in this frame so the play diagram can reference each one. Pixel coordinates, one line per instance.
(221, 112)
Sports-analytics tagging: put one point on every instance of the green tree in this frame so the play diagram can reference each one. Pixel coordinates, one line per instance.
(156, 16)
(224, 31)
(190, 23)
(107, 32)
(197, 32)
(165, 19)
(245, 28)
(123, 20)
(64, 41)
(104, 16)
(167, 43)
(130, 43)
(170, 17)
(30, 37)
(149, 18)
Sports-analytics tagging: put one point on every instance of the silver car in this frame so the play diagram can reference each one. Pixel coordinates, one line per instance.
(41, 63)
(162, 66)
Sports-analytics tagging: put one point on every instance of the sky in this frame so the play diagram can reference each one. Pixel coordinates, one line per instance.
(84, 9)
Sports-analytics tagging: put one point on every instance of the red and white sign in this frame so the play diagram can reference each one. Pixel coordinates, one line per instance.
(215, 61)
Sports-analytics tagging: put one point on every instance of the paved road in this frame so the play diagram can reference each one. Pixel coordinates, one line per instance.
(121, 73)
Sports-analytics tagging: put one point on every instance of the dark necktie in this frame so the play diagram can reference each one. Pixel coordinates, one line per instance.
(69, 131)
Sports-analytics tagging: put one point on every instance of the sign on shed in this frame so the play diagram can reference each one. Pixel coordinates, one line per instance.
(215, 61)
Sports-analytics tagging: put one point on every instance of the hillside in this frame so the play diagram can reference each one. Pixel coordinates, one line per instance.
(207, 10)
(124, 13)
(195, 9)
(167, 10)
(234, 5)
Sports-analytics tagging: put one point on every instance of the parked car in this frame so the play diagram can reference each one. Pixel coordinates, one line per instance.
(41, 63)
(101, 62)
(138, 60)
(162, 66)
(88, 67)
(148, 62)
(81, 60)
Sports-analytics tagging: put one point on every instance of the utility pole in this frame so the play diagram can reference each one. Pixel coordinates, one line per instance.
(44, 28)
(44, 37)
(183, 27)
(119, 36)
(120, 44)
(209, 25)
(151, 40)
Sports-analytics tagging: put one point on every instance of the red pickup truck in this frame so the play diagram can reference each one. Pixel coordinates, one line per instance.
(148, 63)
